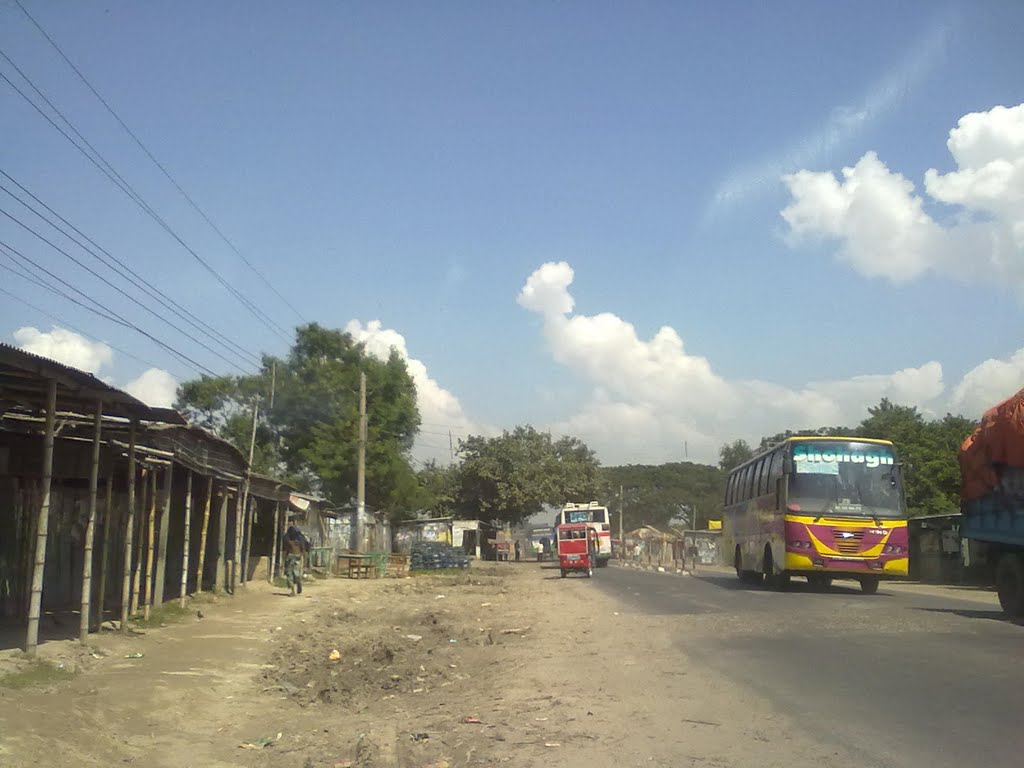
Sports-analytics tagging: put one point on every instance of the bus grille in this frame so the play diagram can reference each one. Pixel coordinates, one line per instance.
(848, 542)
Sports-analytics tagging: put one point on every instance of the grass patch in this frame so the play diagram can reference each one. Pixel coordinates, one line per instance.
(167, 613)
(37, 673)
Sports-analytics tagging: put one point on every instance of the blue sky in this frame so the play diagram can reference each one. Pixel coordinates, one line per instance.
(415, 165)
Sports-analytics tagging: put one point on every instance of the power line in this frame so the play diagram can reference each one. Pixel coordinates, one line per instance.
(106, 282)
(156, 162)
(120, 271)
(112, 316)
(65, 324)
(136, 198)
(140, 282)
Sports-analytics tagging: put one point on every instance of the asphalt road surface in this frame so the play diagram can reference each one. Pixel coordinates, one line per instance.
(916, 677)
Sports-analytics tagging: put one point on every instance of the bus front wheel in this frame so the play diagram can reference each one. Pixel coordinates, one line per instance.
(1010, 584)
(869, 584)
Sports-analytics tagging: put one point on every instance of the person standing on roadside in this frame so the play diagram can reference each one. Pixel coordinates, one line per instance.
(294, 546)
(519, 550)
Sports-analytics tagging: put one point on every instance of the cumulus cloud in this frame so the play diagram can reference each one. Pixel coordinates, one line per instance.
(440, 410)
(987, 384)
(883, 228)
(155, 387)
(65, 347)
(652, 399)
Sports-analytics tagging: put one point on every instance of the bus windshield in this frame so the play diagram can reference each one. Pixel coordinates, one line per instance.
(845, 479)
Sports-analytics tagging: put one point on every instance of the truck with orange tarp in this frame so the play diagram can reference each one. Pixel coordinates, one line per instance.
(992, 498)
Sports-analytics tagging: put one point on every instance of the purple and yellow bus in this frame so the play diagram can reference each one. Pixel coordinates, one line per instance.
(819, 507)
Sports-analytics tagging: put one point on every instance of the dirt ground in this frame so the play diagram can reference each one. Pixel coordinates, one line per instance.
(500, 664)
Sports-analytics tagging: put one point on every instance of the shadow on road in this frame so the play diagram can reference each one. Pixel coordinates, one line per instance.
(976, 614)
(796, 586)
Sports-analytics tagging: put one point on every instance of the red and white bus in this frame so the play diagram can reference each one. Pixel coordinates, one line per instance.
(598, 518)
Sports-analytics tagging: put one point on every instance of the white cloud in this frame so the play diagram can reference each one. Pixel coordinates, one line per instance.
(842, 124)
(440, 410)
(652, 400)
(988, 383)
(155, 387)
(65, 347)
(881, 223)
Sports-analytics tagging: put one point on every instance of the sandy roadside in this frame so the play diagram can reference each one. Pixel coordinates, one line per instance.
(504, 664)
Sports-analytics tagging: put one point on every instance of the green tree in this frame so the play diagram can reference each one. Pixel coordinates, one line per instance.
(311, 431)
(510, 478)
(733, 454)
(653, 495)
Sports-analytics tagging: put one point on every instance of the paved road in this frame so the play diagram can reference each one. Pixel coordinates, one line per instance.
(907, 677)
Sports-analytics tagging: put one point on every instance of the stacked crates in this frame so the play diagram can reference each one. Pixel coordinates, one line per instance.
(435, 555)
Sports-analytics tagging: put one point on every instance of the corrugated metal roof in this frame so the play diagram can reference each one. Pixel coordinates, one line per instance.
(24, 378)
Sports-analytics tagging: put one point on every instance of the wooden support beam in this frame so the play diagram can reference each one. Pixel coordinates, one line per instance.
(108, 512)
(151, 543)
(221, 579)
(160, 588)
(185, 548)
(272, 565)
(126, 585)
(42, 524)
(90, 525)
(237, 554)
(202, 534)
(140, 546)
(248, 545)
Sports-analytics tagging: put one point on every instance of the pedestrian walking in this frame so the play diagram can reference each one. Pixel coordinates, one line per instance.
(294, 546)
(518, 550)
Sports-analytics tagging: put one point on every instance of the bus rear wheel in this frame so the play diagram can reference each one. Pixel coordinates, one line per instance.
(1010, 584)
(869, 584)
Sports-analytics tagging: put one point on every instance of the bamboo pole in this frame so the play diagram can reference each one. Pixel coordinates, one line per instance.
(236, 555)
(248, 547)
(202, 535)
(139, 545)
(43, 524)
(221, 578)
(148, 595)
(272, 566)
(126, 585)
(104, 553)
(90, 526)
(159, 588)
(185, 548)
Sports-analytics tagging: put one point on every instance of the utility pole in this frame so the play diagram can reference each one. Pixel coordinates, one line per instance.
(622, 537)
(243, 507)
(361, 481)
(273, 383)
(451, 447)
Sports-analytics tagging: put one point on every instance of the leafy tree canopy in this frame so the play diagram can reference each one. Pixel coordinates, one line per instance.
(655, 495)
(509, 478)
(310, 431)
(733, 454)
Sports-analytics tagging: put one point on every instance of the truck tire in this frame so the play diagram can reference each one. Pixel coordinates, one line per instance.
(1010, 584)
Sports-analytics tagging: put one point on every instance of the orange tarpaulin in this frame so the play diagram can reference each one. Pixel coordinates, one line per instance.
(998, 441)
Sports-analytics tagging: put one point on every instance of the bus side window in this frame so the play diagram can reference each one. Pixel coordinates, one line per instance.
(745, 487)
(776, 471)
(760, 482)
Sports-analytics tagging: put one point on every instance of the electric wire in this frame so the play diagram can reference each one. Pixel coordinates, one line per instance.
(134, 196)
(156, 162)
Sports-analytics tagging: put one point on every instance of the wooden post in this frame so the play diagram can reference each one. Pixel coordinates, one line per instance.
(248, 547)
(42, 524)
(90, 525)
(272, 566)
(126, 585)
(188, 530)
(221, 579)
(160, 588)
(237, 555)
(148, 597)
(108, 511)
(140, 548)
(202, 535)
